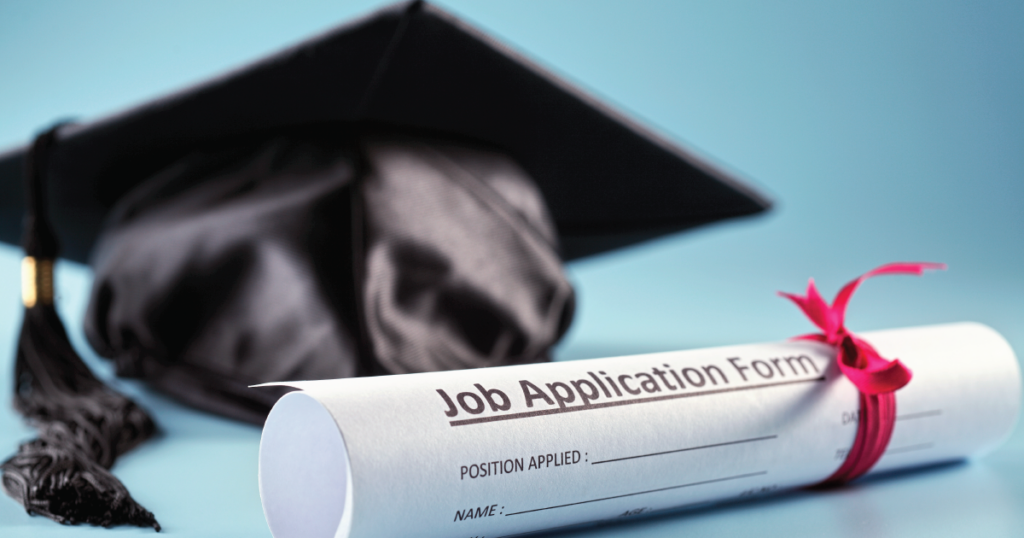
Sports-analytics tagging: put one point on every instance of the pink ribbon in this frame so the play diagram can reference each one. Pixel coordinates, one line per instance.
(875, 377)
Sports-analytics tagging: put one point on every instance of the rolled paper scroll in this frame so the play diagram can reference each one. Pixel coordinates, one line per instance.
(500, 452)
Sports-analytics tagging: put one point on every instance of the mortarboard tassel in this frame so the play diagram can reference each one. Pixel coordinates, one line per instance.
(83, 425)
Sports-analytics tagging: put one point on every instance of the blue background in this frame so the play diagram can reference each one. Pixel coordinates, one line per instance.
(884, 131)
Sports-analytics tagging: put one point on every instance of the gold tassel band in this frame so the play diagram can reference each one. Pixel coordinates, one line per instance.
(36, 281)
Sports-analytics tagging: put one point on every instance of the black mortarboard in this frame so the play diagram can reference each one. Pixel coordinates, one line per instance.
(386, 198)
(607, 181)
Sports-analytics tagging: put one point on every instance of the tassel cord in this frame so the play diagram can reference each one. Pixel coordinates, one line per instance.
(83, 426)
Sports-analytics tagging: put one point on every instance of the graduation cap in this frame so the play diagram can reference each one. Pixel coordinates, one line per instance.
(393, 196)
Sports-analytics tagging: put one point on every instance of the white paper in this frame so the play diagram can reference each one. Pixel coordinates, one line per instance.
(381, 457)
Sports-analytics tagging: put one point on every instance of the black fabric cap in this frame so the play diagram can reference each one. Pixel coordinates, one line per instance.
(608, 182)
(325, 255)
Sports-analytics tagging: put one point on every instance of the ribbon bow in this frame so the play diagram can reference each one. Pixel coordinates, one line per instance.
(874, 376)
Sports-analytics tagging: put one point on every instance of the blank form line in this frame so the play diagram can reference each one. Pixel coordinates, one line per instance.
(603, 521)
(765, 438)
(922, 414)
(909, 448)
(748, 475)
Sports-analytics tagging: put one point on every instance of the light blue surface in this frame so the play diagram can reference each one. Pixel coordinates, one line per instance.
(885, 131)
